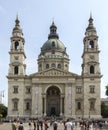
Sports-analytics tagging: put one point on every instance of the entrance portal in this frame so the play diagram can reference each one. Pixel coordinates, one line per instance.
(53, 112)
(53, 101)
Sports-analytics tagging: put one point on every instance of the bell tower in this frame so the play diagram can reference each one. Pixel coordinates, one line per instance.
(90, 65)
(91, 73)
(17, 64)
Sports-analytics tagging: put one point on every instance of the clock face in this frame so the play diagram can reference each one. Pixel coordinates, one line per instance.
(92, 57)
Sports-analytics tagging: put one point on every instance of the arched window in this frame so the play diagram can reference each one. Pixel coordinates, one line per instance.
(79, 105)
(16, 70)
(47, 66)
(16, 45)
(59, 65)
(91, 44)
(53, 44)
(91, 69)
(53, 30)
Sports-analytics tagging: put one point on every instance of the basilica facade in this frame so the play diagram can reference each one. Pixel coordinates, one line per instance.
(53, 90)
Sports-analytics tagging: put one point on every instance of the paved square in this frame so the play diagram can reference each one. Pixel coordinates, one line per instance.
(7, 126)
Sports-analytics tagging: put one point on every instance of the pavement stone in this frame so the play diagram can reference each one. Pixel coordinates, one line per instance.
(7, 126)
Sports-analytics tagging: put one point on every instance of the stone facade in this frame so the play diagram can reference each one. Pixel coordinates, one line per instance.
(53, 90)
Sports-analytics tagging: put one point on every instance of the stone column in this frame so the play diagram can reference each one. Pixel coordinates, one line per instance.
(69, 100)
(61, 106)
(36, 111)
(44, 105)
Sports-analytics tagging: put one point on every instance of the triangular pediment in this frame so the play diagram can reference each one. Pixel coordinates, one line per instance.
(54, 72)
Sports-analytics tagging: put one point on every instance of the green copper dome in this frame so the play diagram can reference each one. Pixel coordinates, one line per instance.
(53, 42)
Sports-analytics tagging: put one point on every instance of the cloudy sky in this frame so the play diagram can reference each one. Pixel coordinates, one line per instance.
(71, 18)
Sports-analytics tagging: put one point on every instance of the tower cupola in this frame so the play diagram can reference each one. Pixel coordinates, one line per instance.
(17, 31)
(53, 30)
(90, 30)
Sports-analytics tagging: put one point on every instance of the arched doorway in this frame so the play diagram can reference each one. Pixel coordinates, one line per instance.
(53, 101)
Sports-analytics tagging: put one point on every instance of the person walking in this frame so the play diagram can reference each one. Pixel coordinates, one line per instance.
(55, 125)
(30, 126)
(14, 125)
(90, 126)
(41, 124)
(68, 125)
(21, 127)
(38, 124)
(34, 124)
(46, 124)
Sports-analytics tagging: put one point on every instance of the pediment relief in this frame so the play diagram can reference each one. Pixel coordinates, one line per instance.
(54, 72)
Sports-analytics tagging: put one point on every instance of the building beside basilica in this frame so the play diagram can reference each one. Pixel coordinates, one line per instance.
(53, 90)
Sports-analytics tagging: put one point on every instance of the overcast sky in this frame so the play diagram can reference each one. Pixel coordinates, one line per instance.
(71, 18)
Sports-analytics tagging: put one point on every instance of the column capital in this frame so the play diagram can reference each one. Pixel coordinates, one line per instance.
(62, 95)
(43, 95)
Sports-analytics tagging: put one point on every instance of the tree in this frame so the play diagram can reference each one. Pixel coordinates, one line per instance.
(106, 90)
(3, 110)
(104, 110)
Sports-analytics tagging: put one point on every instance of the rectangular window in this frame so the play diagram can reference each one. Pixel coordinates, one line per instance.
(28, 90)
(27, 104)
(78, 105)
(15, 105)
(15, 89)
(92, 105)
(92, 88)
(78, 89)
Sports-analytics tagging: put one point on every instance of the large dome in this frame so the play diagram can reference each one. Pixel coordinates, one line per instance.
(53, 44)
